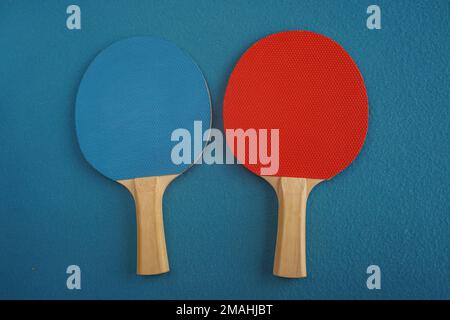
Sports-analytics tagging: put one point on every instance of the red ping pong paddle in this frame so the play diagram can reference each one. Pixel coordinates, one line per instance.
(309, 88)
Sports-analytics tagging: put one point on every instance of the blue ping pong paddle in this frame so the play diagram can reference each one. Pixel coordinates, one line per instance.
(132, 97)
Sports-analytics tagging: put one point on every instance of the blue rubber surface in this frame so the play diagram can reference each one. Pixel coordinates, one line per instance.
(389, 208)
(132, 97)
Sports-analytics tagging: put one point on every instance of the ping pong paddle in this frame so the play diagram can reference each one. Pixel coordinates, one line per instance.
(132, 97)
(309, 88)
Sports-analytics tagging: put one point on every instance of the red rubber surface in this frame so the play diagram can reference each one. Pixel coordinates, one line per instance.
(307, 86)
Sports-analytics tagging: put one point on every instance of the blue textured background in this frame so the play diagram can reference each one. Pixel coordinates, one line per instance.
(390, 207)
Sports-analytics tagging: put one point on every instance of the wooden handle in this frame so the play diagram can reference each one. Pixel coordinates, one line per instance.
(148, 195)
(290, 251)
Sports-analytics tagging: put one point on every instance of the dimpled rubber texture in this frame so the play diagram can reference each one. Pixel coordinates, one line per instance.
(308, 87)
(131, 98)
